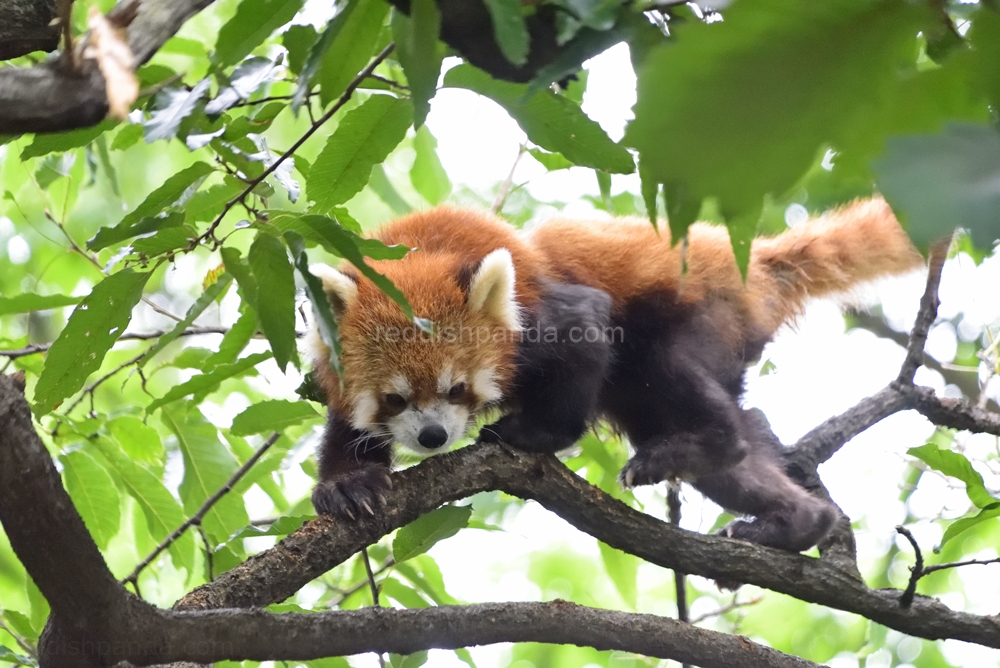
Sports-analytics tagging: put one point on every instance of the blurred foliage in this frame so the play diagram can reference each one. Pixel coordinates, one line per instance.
(255, 149)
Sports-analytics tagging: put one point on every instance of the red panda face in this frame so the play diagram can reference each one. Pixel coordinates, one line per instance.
(423, 388)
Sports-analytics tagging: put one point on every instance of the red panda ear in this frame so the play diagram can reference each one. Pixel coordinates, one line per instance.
(341, 289)
(491, 289)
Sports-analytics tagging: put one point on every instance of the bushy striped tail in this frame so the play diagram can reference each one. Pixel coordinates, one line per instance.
(831, 254)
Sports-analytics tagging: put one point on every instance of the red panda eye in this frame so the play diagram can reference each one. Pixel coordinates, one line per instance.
(456, 391)
(396, 401)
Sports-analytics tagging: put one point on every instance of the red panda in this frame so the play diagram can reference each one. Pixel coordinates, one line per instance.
(575, 321)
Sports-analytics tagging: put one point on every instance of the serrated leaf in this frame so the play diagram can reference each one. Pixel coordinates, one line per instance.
(170, 107)
(427, 174)
(210, 294)
(93, 327)
(550, 121)
(137, 440)
(236, 339)
(945, 180)
(509, 29)
(252, 24)
(419, 53)
(354, 250)
(168, 194)
(44, 144)
(275, 415)
(770, 84)
(344, 48)
(250, 75)
(161, 510)
(165, 241)
(956, 465)
(326, 323)
(94, 494)
(28, 302)
(208, 465)
(108, 236)
(958, 526)
(421, 534)
(204, 384)
(275, 305)
(365, 137)
(206, 204)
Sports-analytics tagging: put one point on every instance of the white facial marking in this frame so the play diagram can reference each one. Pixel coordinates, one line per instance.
(406, 426)
(445, 381)
(365, 409)
(492, 289)
(400, 386)
(485, 386)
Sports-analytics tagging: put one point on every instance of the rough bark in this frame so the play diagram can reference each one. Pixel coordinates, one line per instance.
(26, 26)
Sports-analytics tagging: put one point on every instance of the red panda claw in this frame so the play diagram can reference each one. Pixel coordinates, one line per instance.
(388, 480)
(364, 504)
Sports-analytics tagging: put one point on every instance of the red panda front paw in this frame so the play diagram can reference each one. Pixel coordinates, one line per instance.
(352, 494)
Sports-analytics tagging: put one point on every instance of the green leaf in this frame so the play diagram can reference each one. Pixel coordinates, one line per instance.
(165, 241)
(419, 53)
(236, 339)
(281, 527)
(298, 40)
(162, 512)
(275, 305)
(945, 180)
(29, 301)
(171, 192)
(108, 236)
(326, 323)
(427, 174)
(421, 534)
(250, 75)
(408, 597)
(204, 384)
(93, 328)
(414, 660)
(137, 440)
(623, 570)
(770, 85)
(208, 465)
(332, 235)
(509, 29)
(170, 107)
(365, 137)
(550, 161)
(956, 465)
(206, 204)
(379, 184)
(64, 141)
(10, 656)
(94, 494)
(344, 48)
(552, 121)
(275, 415)
(427, 579)
(958, 526)
(253, 23)
(348, 246)
(210, 294)
(39, 607)
(127, 137)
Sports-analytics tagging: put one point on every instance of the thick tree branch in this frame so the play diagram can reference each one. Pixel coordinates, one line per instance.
(51, 98)
(26, 26)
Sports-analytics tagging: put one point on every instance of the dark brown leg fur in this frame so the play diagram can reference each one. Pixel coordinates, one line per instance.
(353, 470)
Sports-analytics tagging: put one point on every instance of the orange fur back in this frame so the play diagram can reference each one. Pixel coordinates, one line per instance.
(627, 258)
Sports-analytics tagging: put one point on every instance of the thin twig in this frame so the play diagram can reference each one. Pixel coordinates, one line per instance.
(89, 390)
(358, 586)
(205, 507)
(916, 572)
(680, 579)
(508, 182)
(734, 605)
(926, 315)
(374, 588)
(209, 566)
(36, 348)
(308, 133)
(956, 564)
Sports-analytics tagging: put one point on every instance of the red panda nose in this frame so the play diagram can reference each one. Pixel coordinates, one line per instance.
(432, 436)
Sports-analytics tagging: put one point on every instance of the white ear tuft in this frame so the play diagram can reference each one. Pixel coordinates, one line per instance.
(340, 288)
(492, 289)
